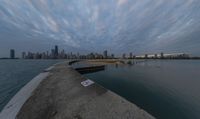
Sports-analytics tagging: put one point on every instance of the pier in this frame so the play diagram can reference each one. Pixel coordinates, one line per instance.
(62, 95)
(90, 69)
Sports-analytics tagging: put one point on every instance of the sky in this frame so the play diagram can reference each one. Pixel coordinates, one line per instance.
(119, 26)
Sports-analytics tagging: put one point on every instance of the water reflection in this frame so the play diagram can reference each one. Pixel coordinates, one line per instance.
(168, 89)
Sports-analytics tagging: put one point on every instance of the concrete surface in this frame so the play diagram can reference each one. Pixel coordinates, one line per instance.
(14, 105)
(61, 96)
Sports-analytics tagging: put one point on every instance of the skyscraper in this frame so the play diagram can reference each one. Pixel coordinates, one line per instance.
(146, 56)
(124, 56)
(52, 53)
(131, 55)
(105, 54)
(12, 54)
(112, 56)
(161, 55)
(56, 50)
(155, 56)
(23, 55)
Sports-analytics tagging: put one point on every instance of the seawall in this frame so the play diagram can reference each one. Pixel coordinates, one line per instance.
(60, 95)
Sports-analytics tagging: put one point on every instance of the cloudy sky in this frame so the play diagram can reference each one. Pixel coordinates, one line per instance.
(139, 26)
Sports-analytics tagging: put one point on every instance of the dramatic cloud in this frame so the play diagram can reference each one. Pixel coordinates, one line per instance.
(137, 26)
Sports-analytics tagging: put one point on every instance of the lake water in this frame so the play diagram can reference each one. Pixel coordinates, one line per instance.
(14, 74)
(168, 89)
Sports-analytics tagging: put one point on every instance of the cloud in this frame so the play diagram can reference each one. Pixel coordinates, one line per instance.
(121, 26)
(121, 2)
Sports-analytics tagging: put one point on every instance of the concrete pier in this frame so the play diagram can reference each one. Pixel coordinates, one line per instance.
(61, 96)
(90, 69)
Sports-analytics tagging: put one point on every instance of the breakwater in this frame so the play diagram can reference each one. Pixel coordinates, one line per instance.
(90, 69)
(61, 95)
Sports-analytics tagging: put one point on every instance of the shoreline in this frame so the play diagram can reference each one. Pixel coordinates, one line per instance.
(18, 105)
(14, 105)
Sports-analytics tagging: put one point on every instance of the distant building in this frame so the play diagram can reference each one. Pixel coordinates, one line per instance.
(105, 54)
(161, 55)
(62, 54)
(52, 53)
(165, 56)
(112, 56)
(155, 56)
(78, 55)
(12, 54)
(177, 56)
(23, 55)
(56, 51)
(47, 52)
(131, 55)
(146, 56)
(124, 56)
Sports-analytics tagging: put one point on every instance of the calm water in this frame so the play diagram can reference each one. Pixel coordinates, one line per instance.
(14, 74)
(168, 89)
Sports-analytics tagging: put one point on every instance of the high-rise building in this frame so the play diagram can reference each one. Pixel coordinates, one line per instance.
(131, 55)
(12, 54)
(155, 56)
(78, 55)
(146, 56)
(47, 53)
(62, 54)
(52, 53)
(112, 56)
(161, 55)
(56, 50)
(105, 54)
(23, 55)
(124, 56)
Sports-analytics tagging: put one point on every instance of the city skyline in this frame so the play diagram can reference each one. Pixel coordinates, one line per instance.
(56, 53)
(84, 25)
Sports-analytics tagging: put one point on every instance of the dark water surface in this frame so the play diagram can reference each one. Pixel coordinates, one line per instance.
(14, 74)
(168, 89)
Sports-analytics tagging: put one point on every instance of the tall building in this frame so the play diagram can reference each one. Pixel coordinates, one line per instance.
(146, 56)
(62, 54)
(105, 54)
(47, 53)
(12, 54)
(155, 56)
(131, 55)
(112, 56)
(56, 50)
(52, 53)
(23, 55)
(161, 55)
(78, 55)
(124, 56)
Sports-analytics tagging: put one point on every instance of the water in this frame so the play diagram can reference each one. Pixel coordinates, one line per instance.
(14, 74)
(168, 89)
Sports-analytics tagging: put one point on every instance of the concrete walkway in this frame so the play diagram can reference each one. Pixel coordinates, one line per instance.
(61, 96)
